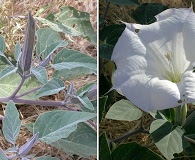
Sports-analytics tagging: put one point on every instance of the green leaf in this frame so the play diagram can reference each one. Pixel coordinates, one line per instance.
(11, 123)
(7, 71)
(72, 57)
(167, 138)
(58, 124)
(102, 103)
(124, 110)
(146, 12)
(109, 35)
(47, 158)
(134, 151)
(71, 65)
(2, 44)
(125, 2)
(104, 153)
(86, 102)
(73, 22)
(17, 51)
(40, 73)
(9, 83)
(51, 87)
(67, 74)
(189, 125)
(105, 51)
(48, 41)
(81, 91)
(2, 155)
(82, 142)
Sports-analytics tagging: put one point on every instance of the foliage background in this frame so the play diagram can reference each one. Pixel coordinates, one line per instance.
(12, 27)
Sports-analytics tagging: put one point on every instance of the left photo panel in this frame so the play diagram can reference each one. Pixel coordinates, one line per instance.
(48, 80)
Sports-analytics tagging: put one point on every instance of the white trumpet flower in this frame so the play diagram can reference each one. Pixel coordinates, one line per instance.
(155, 62)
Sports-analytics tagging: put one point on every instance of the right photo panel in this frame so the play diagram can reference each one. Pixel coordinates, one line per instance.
(146, 79)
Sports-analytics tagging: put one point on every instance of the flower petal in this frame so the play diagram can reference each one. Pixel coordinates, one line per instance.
(187, 86)
(151, 60)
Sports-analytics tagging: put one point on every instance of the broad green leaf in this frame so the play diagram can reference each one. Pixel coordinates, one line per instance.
(2, 44)
(9, 83)
(125, 2)
(11, 123)
(58, 124)
(134, 151)
(146, 12)
(124, 110)
(67, 74)
(81, 91)
(51, 87)
(48, 41)
(2, 155)
(75, 61)
(71, 65)
(104, 152)
(189, 126)
(105, 51)
(102, 103)
(109, 35)
(40, 73)
(82, 142)
(86, 102)
(7, 71)
(47, 158)
(167, 138)
(73, 22)
(17, 51)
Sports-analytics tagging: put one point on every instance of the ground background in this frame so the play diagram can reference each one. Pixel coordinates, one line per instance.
(13, 29)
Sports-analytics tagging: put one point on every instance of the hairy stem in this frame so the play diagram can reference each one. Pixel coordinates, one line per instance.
(28, 92)
(18, 88)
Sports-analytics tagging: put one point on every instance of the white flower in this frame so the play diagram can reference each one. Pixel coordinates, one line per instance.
(155, 62)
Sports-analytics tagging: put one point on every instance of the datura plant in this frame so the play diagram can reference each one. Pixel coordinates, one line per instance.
(24, 80)
(155, 72)
(155, 62)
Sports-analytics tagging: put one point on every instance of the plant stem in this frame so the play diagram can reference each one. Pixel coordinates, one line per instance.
(139, 130)
(18, 88)
(28, 92)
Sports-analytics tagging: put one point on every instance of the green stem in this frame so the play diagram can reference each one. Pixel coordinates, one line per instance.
(180, 115)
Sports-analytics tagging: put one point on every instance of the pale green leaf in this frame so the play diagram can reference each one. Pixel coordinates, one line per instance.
(51, 87)
(77, 21)
(66, 55)
(7, 71)
(9, 83)
(2, 44)
(169, 143)
(40, 73)
(48, 41)
(17, 51)
(47, 158)
(73, 22)
(58, 124)
(86, 102)
(124, 110)
(71, 65)
(11, 123)
(67, 74)
(82, 142)
(2, 155)
(81, 91)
